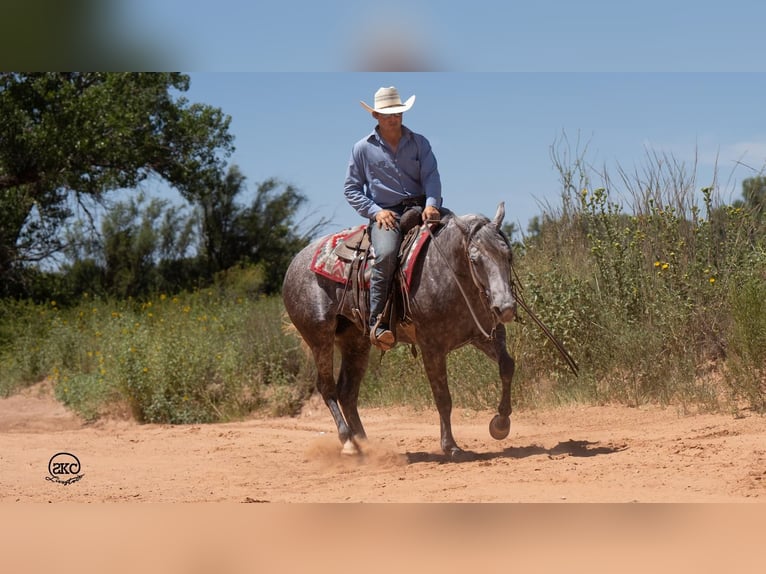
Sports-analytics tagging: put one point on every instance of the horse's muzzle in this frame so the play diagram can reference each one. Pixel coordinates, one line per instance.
(506, 313)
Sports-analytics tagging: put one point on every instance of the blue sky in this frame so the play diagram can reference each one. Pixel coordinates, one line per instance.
(481, 35)
(511, 78)
(493, 132)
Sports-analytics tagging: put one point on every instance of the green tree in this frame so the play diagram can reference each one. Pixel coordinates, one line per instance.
(754, 194)
(219, 211)
(130, 244)
(144, 245)
(66, 136)
(269, 233)
(265, 232)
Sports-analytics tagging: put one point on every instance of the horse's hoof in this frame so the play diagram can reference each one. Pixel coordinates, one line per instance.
(456, 453)
(499, 427)
(350, 448)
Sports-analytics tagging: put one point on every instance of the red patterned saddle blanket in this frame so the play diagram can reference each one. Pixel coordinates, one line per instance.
(335, 254)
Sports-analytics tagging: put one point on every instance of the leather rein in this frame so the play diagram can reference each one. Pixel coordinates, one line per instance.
(515, 290)
(476, 282)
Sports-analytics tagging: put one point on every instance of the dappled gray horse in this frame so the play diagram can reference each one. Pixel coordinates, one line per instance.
(461, 292)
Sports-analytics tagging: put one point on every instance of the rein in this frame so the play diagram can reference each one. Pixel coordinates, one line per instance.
(516, 289)
(543, 327)
(460, 287)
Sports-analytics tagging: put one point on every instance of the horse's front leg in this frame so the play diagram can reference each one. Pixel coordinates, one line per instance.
(436, 370)
(496, 349)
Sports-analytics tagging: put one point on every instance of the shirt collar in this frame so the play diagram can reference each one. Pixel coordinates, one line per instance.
(375, 135)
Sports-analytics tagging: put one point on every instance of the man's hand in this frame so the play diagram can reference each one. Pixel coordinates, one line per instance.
(431, 213)
(386, 219)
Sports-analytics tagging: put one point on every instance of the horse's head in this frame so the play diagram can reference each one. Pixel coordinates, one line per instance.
(490, 257)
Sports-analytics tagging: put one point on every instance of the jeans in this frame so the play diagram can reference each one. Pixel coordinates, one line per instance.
(386, 244)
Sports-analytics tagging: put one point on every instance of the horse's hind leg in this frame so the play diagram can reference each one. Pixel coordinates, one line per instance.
(323, 357)
(355, 354)
(500, 425)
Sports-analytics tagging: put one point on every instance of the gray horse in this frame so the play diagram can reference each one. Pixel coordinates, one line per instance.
(461, 292)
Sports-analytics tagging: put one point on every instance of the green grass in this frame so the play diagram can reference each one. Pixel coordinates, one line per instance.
(198, 357)
(660, 298)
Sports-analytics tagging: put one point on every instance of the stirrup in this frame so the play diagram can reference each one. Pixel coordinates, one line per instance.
(387, 340)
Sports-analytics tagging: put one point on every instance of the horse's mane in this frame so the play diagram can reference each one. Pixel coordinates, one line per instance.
(470, 222)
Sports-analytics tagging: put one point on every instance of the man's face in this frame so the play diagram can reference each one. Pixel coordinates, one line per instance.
(389, 120)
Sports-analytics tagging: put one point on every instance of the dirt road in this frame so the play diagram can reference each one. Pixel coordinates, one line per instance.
(574, 454)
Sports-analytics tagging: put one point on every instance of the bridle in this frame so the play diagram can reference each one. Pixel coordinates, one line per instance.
(474, 277)
(515, 291)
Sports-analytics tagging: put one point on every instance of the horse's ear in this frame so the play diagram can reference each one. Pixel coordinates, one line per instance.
(499, 215)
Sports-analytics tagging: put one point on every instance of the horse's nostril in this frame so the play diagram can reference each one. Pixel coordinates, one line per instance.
(506, 314)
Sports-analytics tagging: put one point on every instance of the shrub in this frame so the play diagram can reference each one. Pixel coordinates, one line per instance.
(199, 357)
(653, 284)
(747, 349)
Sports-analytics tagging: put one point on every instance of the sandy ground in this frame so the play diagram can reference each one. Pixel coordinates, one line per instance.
(574, 454)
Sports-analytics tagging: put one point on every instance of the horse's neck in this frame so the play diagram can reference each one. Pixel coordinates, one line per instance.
(458, 233)
(450, 245)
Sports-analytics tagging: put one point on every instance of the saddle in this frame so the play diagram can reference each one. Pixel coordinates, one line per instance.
(356, 242)
(347, 257)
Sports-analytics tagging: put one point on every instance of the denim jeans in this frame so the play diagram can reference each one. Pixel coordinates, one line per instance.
(386, 244)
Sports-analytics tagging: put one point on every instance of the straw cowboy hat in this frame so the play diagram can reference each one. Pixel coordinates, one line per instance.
(387, 101)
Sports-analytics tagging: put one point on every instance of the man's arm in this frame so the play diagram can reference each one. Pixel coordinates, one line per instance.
(429, 174)
(354, 187)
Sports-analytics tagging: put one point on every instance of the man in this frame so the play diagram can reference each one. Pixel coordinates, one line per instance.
(391, 170)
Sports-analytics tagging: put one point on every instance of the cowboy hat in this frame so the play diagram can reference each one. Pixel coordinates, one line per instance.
(387, 101)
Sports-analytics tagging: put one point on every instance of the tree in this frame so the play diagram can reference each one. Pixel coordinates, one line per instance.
(148, 245)
(265, 232)
(131, 241)
(269, 233)
(218, 214)
(144, 246)
(67, 136)
(754, 193)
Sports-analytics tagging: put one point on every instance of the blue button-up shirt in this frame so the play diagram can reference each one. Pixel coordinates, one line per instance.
(377, 178)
